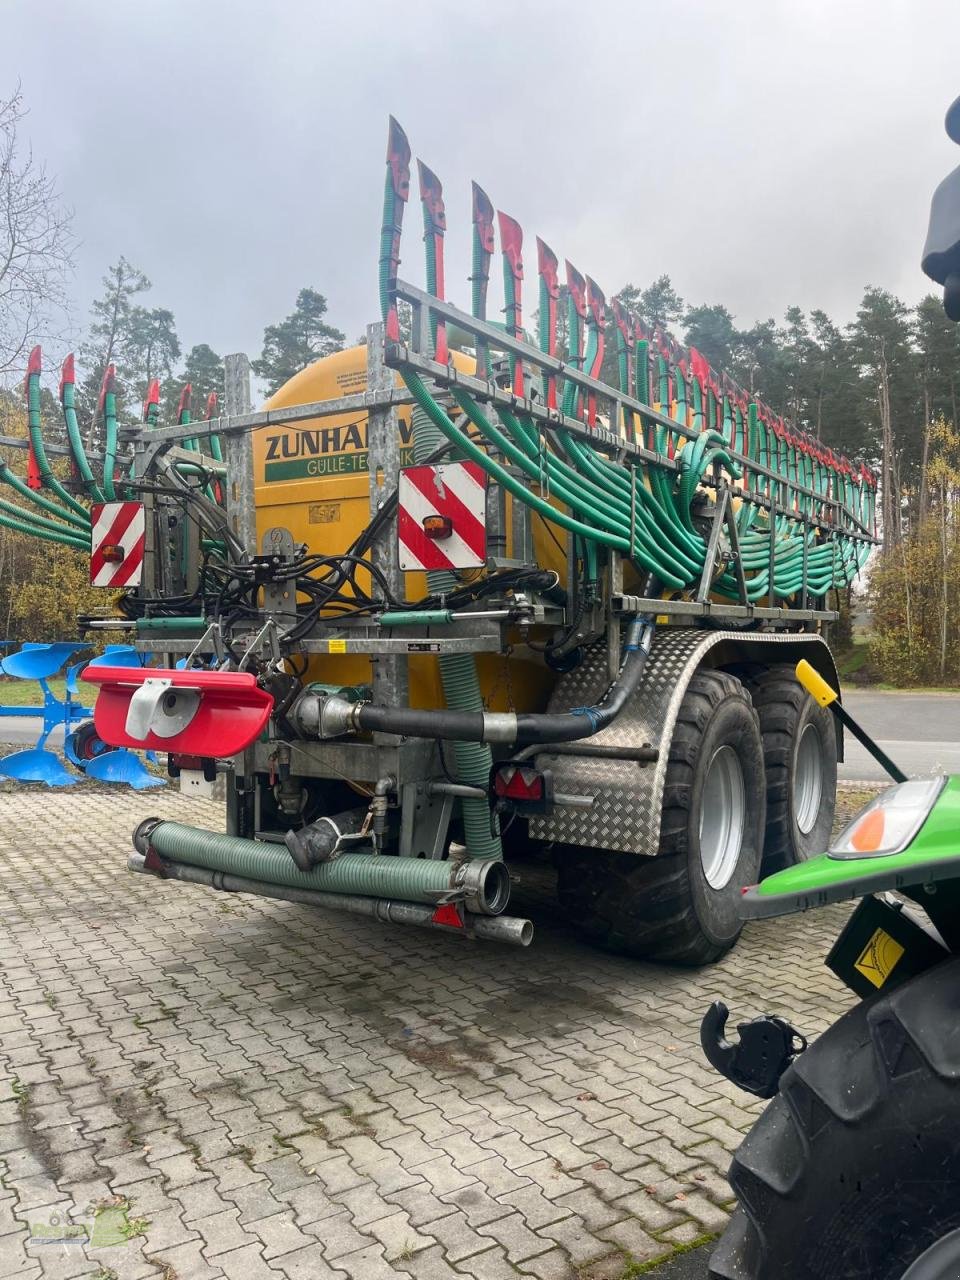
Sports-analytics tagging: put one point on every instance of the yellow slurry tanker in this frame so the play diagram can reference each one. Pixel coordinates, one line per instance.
(459, 596)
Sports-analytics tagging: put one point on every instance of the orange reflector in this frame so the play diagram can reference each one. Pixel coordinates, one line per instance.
(437, 526)
(112, 553)
(867, 835)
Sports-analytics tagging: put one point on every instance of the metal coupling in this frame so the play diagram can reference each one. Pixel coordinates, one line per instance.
(142, 833)
(382, 791)
(323, 715)
(484, 883)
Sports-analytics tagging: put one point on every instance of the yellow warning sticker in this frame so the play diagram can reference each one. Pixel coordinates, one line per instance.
(879, 958)
(336, 646)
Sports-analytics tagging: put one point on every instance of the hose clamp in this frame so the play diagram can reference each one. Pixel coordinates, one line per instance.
(499, 726)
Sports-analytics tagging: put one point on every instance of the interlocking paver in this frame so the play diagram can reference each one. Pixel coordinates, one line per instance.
(279, 1235)
(576, 1239)
(221, 1232)
(515, 1237)
(307, 1264)
(412, 1107)
(492, 1265)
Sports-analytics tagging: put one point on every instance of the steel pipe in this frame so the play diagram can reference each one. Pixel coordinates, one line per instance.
(510, 930)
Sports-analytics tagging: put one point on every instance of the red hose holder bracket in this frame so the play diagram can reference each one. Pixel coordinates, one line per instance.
(199, 713)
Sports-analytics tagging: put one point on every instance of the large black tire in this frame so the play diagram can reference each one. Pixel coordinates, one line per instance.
(664, 908)
(800, 752)
(853, 1170)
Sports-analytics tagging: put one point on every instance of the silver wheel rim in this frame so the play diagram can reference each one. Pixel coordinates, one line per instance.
(940, 1262)
(808, 779)
(722, 817)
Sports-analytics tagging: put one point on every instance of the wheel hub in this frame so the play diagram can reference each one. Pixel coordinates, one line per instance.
(722, 817)
(808, 779)
(940, 1262)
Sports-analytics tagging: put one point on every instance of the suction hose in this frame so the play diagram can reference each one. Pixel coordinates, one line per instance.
(483, 885)
(461, 686)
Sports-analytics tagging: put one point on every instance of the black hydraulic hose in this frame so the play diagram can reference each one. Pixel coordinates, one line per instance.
(408, 722)
(584, 722)
(520, 730)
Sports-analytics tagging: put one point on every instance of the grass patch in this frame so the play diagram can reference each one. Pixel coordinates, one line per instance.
(852, 662)
(134, 1227)
(27, 693)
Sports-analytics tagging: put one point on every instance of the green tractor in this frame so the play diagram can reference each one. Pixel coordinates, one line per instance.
(853, 1170)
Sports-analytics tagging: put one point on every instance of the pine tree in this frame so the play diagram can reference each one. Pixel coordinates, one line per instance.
(712, 331)
(298, 340)
(203, 369)
(837, 397)
(107, 333)
(882, 339)
(758, 365)
(150, 348)
(659, 305)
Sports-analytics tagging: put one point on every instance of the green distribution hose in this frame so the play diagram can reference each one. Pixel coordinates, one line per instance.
(108, 403)
(35, 531)
(73, 525)
(461, 687)
(36, 440)
(597, 490)
(38, 523)
(69, 405)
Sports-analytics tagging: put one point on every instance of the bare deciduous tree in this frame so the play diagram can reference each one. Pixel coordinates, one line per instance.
(36, 245)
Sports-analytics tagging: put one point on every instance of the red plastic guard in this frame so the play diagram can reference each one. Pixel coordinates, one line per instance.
(231, 713)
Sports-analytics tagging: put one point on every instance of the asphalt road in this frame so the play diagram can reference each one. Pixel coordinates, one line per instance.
(23, 731)
(919, 731)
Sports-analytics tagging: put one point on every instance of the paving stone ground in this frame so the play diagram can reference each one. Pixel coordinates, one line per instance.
(218, 1086)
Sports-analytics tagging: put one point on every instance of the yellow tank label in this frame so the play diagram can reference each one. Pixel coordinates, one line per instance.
(879, 958)
(336, 646)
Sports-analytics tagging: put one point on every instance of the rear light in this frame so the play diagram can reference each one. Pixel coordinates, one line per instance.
(437, 526)
(211, 714)
(112, 553)
(890, 823)
(178, 763)
(523, 787)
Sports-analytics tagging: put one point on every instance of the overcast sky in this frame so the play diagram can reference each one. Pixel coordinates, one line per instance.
(761, 152)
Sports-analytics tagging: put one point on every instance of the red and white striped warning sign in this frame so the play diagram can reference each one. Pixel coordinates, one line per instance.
(116, 544)
(441, 516)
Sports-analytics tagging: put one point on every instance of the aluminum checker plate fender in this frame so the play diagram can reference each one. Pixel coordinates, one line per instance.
(625, 815)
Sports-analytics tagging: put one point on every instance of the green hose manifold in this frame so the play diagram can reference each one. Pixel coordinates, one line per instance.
(805, 528)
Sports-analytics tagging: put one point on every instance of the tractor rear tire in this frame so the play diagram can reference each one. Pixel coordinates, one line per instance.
(800, 753)
(852, 1171)
(681, 907)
